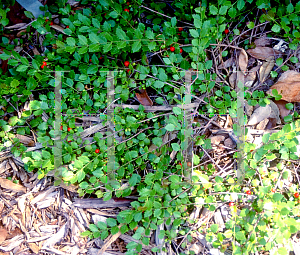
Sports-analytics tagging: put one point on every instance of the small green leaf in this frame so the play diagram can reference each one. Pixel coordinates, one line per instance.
(175, 146)
(276, 28)
(170, 127)
(240, 4)
(111, 222)
(213, 10)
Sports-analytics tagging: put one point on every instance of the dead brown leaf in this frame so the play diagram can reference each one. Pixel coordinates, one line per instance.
(251, 76)
(143, 98)
(228, 63)
(8, 184)
(266, 68)
(271, 123)
(282, 109)
(3, 235)
(263, 41)
(260, 114)
(232, 79)
(25, 140)
(59, 28)
(288, 86)
(243, 61)
(263, 52)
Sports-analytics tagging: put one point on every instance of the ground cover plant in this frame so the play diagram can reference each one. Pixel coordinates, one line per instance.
(152, 48)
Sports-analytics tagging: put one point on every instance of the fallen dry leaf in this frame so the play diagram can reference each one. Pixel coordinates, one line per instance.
(143, 98)
(8, 184)
(232, 79)
(25, 140)
(263, 41)
(288, 86)
(262, 125)
(263, 52)
(3, 235)
(275, 112)
(59, 28)
(217, 139)
(251, 75)
(282, 109)
(228, 63)
(271, 123)
(260, 114)
(266, 68)
(243, 61)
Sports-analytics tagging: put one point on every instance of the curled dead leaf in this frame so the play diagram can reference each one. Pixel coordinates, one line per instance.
(143, 98)
(266, 68)
(288, 86)
(263, 52)
(243, 61)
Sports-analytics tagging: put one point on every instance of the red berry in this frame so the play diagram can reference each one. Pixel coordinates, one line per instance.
(172, 48)
(180, 29)
(231, 204)
(126, 10)
(51, 23)
(61, 127)
(180, 164)
(69, 141)
(67, 26)
(104, 14)
(126, 63)
(248, 192)
(69, 129)
(47, 20)
(296, 195)
(180, 50)
(44, 63)
(97, 150)
(167, 55)
(100, 57)
(226, 31)
(128, 70)
(42, 66)
(128, 3)
(273, 190)
(178, 33)
(90, 60)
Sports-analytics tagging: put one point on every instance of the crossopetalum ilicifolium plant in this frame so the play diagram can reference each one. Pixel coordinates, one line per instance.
(102, 37)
